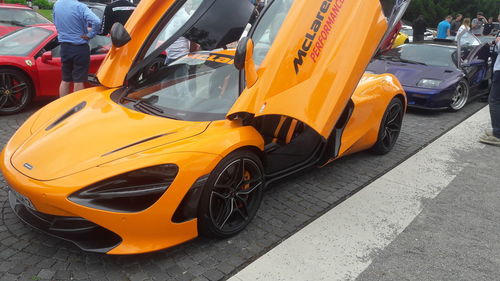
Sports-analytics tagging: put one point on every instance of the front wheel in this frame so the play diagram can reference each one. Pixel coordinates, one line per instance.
(390, 127)
(460, 96)
(232, 195)
(16, 91)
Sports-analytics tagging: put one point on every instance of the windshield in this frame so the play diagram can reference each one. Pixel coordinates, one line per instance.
(198, 87)
(20, 17)
(434, 55)
(22, 42)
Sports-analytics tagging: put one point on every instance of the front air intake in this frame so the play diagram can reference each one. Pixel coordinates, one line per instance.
(66, 115)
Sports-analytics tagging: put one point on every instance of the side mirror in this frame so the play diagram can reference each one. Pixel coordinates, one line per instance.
(119, 35)
(243, 60)
(46, 57)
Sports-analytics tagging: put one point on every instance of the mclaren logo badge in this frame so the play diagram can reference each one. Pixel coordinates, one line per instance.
(28, 166)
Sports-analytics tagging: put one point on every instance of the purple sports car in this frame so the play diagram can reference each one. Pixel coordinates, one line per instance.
(431, 74)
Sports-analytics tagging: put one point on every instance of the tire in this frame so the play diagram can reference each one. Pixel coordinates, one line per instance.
(232, 195)
(460, 96)
(390, 127)
(16, 91)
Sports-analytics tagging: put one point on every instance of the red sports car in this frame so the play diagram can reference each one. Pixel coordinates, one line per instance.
(15, 16)
(30, 65)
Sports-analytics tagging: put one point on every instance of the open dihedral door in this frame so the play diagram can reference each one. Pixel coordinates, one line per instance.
(316, 58)
(157, 24)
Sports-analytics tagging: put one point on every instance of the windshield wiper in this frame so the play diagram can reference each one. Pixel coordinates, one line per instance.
(13, 22)
(146, 106)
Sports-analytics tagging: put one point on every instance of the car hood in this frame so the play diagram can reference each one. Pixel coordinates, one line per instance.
(99, 131)
(4, 29)
(410, 74)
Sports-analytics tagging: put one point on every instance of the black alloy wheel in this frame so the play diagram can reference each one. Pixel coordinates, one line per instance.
(390, 127)
(16, 91)
(232, 195)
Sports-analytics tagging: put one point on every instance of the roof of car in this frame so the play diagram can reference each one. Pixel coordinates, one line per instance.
(95, 5)
(15, 6)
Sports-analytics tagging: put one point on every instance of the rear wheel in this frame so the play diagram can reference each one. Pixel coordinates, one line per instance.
(232, 195)
(390, 127)
(460, 96)
(16, 91)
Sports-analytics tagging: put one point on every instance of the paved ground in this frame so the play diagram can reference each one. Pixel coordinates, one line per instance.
(433, 217)
(456, 235)
(288, 207)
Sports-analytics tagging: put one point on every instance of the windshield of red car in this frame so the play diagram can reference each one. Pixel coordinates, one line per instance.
(427, 54)
(22, 42)
(199, 87)
(20, 17)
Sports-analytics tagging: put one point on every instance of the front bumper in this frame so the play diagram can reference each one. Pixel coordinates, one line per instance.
(87, 235)
(104, 231)
(429, 98)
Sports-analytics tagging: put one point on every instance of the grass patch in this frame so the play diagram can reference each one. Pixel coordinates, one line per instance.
(47, 14)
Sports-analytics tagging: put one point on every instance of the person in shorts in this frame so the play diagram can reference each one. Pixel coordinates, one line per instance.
(76, 24)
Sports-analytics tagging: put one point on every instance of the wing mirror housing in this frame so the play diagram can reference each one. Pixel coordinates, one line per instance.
(119, 35)
(46, 57)
(243, 60)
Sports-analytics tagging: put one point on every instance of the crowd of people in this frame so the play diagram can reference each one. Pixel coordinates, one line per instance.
(451, 27)
(479, 26)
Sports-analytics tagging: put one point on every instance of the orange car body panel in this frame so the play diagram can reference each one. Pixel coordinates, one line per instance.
(73, 154)
(330, 71)
(140, 24)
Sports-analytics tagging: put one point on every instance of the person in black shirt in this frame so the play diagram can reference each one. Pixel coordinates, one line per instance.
(419, 28)
(455, 25)
(488, 28)
(118, 11)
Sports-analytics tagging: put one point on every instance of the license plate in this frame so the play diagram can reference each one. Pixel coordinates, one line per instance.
(23, 199)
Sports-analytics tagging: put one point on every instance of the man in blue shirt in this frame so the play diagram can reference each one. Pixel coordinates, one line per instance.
(444, 28)
(76, 24)
(493, 136)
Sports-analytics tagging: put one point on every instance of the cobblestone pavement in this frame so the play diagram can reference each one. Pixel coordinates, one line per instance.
(28, 255)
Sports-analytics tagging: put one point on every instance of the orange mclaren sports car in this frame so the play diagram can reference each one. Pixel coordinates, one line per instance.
(147, 161)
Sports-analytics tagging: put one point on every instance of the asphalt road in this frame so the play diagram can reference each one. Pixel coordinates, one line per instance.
(289, 206)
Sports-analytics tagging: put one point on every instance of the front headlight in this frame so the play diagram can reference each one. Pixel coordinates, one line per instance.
(130, 192)
(429, 83)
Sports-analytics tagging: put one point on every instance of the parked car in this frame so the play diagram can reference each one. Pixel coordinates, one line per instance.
(30, 65)
(16, 16)
(96, 8)
(408, 30)
(431, 74)
(144, 163)
(401, 39)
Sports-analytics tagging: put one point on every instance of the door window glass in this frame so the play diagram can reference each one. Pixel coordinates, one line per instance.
(177, 21)
(268, 27)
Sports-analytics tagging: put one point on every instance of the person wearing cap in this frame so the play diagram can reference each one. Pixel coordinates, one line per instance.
(478, 24)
